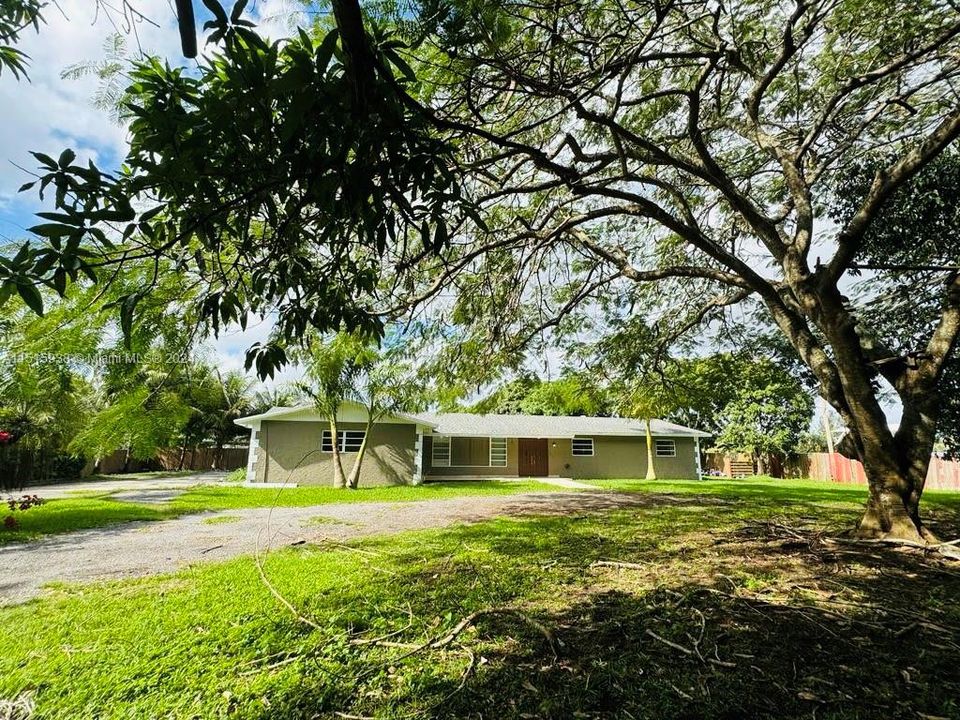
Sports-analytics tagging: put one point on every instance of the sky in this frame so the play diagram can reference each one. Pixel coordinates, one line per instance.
(48, 114)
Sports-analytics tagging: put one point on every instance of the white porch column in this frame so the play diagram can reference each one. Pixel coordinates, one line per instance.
(697, 451)
(418, 459)
(252, 455)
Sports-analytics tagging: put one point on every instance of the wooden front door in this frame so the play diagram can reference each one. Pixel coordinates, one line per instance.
(532, 458)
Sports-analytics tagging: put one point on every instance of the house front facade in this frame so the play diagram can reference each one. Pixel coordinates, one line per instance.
(295, 446)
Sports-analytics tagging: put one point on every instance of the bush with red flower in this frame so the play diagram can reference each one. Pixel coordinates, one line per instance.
(20, 504)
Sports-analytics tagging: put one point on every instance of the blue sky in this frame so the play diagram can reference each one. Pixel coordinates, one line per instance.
(49, 114)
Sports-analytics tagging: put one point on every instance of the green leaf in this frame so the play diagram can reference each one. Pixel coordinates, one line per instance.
(325, 51)
(238, 10)
(60, 282)
(51, 230)
(127, 307)
(45, 160)
(31, 296)
(217, 10)
(66, 157)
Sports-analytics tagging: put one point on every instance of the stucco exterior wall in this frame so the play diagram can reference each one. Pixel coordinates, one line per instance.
(614, 457)
(290, 452)
(626, 457)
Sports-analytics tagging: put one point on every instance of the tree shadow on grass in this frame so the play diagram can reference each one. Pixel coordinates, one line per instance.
(768, 620)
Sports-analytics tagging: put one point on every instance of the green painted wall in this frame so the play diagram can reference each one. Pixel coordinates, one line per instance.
(614, 457)
(290, 452)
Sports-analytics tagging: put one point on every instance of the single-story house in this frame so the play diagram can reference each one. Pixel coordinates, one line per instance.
(293, 445)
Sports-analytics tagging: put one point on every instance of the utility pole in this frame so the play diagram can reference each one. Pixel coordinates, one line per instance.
(827, 426)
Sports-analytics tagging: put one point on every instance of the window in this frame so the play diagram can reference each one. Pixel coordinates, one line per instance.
(348, 441)
(498, 452)
(582, 446)
(468, 452)
(665, 448)
(440, 456)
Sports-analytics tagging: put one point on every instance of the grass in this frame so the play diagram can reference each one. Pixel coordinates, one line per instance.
(731, 606)
(795, 491)
(87, 511)
(210, 497)
(75, 513)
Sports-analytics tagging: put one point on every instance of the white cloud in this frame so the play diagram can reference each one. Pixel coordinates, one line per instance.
(48, 114)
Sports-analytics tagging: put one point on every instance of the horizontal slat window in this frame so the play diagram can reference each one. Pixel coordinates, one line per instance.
(440, 455)
(348, 441)
(582, 446)
(666, 448)
(351, 440)
(498, 452)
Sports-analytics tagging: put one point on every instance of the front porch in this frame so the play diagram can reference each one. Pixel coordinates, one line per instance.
(452, 457)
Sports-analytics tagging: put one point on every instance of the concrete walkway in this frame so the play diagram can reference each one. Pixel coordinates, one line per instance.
(144, 548)
(565, 483)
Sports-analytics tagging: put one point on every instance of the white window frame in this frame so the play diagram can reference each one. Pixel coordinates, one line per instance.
(669, 450)
(443, 459)
(498, 452)
(573, 447)
(355, 438)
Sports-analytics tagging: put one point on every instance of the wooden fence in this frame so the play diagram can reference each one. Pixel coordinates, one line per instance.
(199, 459)
(942, 474)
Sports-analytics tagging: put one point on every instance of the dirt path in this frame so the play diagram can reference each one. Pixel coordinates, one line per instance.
(146, 484)
(144, 548)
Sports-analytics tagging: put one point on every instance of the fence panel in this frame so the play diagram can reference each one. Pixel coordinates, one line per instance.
(199, 459)
(942, 474)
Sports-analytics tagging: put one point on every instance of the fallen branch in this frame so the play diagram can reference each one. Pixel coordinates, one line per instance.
(619, 564)
(442, 641)
(474, 616)
(688, 651)
(946, 549)
(670, 643)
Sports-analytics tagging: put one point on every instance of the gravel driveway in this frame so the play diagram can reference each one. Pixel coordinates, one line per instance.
(144, 548)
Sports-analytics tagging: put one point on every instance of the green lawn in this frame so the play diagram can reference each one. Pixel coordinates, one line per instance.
(75, 513)
(96, 510)
(733, 606)
(766, 489)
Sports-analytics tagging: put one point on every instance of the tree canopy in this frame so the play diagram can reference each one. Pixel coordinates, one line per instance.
(517, 173)
(571, 394)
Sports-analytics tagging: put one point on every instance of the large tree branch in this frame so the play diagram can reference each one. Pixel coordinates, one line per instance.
(867, 78)
(886, 182)
(943, 339)
(618, 258)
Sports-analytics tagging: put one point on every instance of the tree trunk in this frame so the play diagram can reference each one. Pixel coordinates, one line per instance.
(339, 480)
(895, 467)
(183, 454)
(354, 480)
(126, 459)
(218, 454)
(651, 470)
(893, 508)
